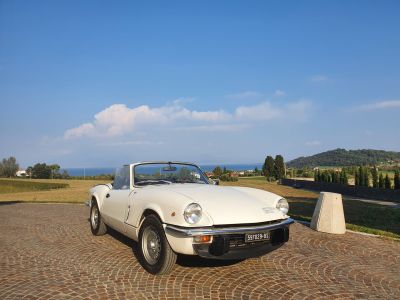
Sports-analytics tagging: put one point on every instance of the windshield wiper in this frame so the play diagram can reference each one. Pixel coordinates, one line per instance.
(189, 181)
(146, 182)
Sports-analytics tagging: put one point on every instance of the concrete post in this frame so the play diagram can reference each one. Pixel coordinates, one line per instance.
(328, 214)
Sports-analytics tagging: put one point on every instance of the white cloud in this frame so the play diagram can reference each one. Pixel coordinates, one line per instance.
(216, 127)
(379, 105)
(244, 95)
(280, 93)
(82, 130)
(120, 120)
(313, 143)
(262, 111)
(213, 116)
(318, 78)
(183, 100)
(128, 143)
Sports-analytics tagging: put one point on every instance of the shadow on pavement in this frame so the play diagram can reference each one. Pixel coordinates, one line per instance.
(9, 202)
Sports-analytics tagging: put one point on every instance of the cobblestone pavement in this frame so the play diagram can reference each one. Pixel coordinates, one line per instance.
(48, 252)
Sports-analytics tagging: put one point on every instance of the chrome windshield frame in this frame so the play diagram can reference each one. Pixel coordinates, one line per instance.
(133, 166)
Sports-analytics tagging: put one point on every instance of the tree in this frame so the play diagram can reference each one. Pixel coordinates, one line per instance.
(279, 167)
(268, 167)
(366, 177)
(41, 171)
(217, 171)
(54, 171)
(29, 171)
(388, 183)
(362, 177)
(343, 177)
(374, 173)
(397, 180)
(381, 182)
(9, 167)
(356, 179)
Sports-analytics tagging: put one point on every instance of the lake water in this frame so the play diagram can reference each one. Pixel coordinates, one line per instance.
(207, 168)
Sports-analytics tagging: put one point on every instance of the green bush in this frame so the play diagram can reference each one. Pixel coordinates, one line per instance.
(226, 177)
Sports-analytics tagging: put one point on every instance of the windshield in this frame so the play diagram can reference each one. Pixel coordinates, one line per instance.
(160, 173)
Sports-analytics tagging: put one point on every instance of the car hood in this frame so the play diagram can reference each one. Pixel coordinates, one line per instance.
(227, 205)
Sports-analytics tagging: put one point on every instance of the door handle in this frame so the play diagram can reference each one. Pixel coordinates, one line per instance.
(108, 196)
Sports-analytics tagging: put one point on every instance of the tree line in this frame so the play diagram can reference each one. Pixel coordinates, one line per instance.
(224, 174)
(363, 176)
(9, 168)
(331, 176)
(44, 171)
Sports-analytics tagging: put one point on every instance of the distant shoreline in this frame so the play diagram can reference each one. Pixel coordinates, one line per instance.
(208, 168)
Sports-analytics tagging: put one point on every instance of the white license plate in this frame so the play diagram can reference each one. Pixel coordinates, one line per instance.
(255, 237)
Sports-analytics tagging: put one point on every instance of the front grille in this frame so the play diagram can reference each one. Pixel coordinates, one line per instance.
(248, 224)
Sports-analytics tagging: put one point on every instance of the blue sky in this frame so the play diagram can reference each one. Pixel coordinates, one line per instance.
(100, 83)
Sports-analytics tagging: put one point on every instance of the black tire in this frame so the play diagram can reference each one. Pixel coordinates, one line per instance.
(155, 254)
(97, 224)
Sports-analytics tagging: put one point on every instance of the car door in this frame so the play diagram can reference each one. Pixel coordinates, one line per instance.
(115, 205)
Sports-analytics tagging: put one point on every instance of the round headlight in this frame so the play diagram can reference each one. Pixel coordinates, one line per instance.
(192, 213)
(283, 206)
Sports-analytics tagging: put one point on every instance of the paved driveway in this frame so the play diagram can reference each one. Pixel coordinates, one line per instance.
(47, 251)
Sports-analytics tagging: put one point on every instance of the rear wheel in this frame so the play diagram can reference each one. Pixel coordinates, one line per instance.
(97, 224)
(155, 254)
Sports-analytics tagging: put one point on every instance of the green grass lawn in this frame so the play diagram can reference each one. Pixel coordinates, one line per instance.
(18, 186)
(360, 216)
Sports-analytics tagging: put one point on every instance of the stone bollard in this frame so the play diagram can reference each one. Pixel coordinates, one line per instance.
(328, 214)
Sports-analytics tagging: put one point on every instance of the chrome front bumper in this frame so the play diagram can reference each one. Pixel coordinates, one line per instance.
(191, 232)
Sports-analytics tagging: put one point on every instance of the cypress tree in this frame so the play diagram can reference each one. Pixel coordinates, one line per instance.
(397, 180)
(374, 173)
(360, 176)
(356, 179)
(366, 177)
(315, 176)
(388, 183)
(381, 182)
(345, 179)
(269, 168)
(329, 177)
(279, 167)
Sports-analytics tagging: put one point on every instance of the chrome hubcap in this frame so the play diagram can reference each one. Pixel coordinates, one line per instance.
(94, 218)
(151, 245)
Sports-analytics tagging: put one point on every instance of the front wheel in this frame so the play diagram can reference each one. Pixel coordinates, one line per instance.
(155, 254)
(97, 224)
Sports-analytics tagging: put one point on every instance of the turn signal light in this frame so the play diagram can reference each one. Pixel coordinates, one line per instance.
(202, 239)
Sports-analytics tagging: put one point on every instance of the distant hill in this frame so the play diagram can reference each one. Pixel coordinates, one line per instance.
(343, 157)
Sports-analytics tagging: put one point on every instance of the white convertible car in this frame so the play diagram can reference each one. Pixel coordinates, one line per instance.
(172, 208)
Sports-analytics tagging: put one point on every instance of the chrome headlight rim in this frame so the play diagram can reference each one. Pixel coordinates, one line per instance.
(283, 206)
(192, 213)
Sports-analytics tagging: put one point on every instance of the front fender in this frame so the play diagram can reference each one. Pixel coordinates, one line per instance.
(98, 193)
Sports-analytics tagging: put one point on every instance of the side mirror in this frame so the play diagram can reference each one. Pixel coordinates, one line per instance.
(216, 181)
